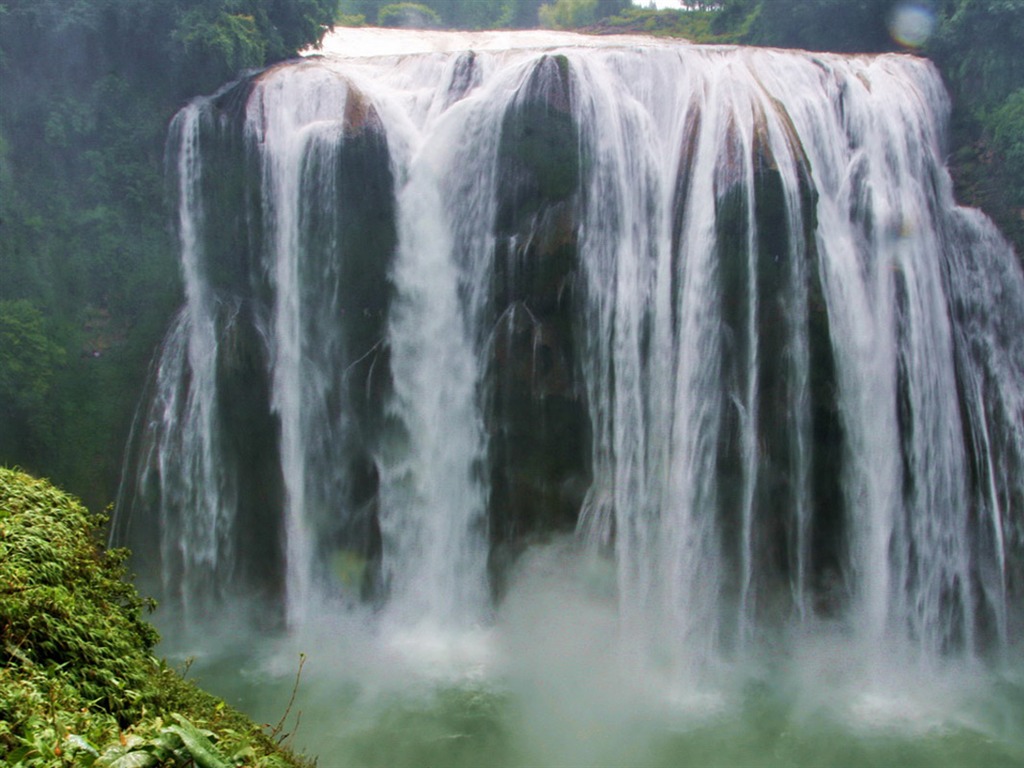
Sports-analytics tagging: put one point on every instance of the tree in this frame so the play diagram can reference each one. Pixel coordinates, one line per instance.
(567, 14)
(831, 25)
(87, 266)
(29, 362)
(1007, 128)
(412, 15)
(978, 48)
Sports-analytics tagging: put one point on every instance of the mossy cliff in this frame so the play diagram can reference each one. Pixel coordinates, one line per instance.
(79, 685)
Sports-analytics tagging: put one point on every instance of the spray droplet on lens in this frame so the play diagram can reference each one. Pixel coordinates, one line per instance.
(911, 24)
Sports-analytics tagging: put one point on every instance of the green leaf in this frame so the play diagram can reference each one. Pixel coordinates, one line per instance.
(198, 745)
(136, 759)
(77, 743)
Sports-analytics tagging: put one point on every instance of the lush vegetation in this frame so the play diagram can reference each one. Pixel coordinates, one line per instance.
(408, 15)
(464, 14)
(698, 24)
(977, 47)
(88, 273)
(483, 14)
(78, 684)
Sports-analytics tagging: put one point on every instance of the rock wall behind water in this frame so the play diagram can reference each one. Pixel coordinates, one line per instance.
(715, 310)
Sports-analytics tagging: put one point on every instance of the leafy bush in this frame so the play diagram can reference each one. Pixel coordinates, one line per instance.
(88, 88)
(349, 20)
(823, 25)
(230, 41)
(78, 685)
(696, 24)
(1007, 127)
(977, 47)
(566, 14)
(408, 15)
(29, 362)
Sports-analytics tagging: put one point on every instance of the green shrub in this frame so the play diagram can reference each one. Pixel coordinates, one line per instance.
(408, 15)
(29, 364)
(1007, 128)
(694, 24)
(350, 20)
(78, 684)
(567, 14)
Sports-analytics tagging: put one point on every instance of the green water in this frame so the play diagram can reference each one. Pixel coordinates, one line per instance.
(761, 722)
(554, 679)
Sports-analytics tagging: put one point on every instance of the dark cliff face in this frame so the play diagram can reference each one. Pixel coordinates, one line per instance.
(538, 431)
(348, 242)
(537, 423)
(535, 416)
(774, 312)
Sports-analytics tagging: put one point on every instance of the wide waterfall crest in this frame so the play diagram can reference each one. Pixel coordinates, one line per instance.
(714, 309)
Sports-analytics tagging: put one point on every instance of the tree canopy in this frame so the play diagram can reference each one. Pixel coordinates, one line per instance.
(88, 276)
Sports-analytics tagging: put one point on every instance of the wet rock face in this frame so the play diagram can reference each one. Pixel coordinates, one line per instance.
(347, 243)
(251, 434)
(789, 305)
(537, 420)
(539, 150)
(346, 292)
(228, 181)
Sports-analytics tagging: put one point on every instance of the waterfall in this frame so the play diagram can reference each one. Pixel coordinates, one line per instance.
(715, 310)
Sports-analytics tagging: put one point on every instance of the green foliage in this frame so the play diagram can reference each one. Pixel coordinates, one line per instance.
(1007, 126)
(78, 685)
(736, 17)
(977, 46)
(227, 41)
(66, 607)
(573, 14)
(697, 25)
(568, 14)
(349, 20)
(89, 87)
(458, 14)
(408, 15)
(830, 25)
(29, 363)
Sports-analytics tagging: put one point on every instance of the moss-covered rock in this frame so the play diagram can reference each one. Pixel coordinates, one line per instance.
(79, 685)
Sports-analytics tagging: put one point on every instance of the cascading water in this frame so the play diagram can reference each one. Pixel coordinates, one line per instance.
(714, 309)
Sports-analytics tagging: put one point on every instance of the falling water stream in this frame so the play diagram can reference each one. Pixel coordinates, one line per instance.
(589, 402)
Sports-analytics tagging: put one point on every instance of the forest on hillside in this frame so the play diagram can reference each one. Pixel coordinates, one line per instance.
(88, 273)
